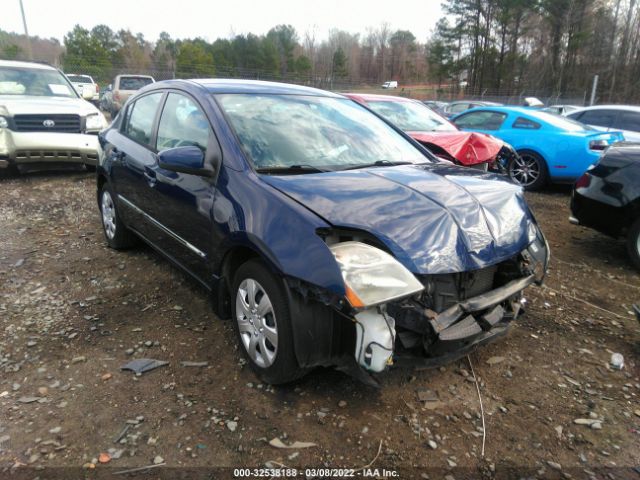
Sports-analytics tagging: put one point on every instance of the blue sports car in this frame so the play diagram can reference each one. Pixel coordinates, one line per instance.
(551, 148)
(328, 236)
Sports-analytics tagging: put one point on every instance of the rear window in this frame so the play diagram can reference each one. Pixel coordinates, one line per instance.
(79, 78)
(601, 118)
(628, 121)
(134, 83)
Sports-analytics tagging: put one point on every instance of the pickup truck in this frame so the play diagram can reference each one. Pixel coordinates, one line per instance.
(121, 89)
(85, 86)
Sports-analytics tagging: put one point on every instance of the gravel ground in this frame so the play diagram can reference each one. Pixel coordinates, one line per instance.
(72, 312)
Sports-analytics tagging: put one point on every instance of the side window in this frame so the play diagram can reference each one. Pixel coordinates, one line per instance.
(140, 119)
(481, 120)
(601, 118)
(182, 124)
(628, 121)
(522, 122)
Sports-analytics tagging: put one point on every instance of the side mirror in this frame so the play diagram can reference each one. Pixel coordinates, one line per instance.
(184, 160)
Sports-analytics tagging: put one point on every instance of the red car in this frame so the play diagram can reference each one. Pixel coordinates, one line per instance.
(437, 133)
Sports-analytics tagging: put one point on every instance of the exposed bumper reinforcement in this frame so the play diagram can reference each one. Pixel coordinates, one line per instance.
(487, 300)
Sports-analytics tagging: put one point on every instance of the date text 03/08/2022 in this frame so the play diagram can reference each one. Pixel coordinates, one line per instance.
(315, 472)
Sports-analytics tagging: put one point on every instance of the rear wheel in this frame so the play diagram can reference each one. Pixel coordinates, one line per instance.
(529, 170)
(263, 323)
(118, 236)
(633, 243)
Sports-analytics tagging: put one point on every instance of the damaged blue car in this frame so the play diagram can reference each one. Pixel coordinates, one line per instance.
(327, 235)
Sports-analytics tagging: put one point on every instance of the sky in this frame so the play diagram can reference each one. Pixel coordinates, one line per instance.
(211, 19)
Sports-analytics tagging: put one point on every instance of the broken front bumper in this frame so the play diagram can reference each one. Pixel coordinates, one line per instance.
(30, 149)
(470, 323)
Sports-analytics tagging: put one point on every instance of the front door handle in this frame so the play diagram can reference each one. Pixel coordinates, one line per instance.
(150, 175)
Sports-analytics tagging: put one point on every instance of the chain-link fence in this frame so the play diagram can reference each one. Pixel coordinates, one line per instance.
(104, 76)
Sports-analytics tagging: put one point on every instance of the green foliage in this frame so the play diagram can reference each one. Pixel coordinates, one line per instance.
(11, 51)
(193, 60)
(340, 64)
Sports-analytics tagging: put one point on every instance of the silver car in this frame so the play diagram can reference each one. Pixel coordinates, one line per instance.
(44, 124)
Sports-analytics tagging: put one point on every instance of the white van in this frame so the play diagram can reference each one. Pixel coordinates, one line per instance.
(392, 84)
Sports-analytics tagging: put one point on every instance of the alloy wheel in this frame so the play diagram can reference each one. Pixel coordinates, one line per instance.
(257, 323)
(525, 169)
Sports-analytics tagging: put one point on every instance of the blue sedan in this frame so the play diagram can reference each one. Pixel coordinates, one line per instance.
(551, 148)
(326, 234)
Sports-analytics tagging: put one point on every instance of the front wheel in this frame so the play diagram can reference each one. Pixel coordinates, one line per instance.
(263, 323)
(633, 243)
(528, 169)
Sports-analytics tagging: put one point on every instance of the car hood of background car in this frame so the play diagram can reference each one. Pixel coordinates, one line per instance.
(469, 148)
(434, 218)
(27, 104)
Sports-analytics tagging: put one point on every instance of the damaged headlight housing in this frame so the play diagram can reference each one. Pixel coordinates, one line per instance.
(372, 276)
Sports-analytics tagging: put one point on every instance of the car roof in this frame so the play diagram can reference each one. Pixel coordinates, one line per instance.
(628, 108)
(536, 113)
(372, 97)
(217, 85)
(17, 64)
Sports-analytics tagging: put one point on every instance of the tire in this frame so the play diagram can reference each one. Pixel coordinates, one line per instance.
(269, 330)
(633, 243)
(529, 170)
(118, 236)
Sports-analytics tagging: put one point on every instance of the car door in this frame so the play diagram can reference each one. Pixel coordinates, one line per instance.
(133, 158)
(183, 202)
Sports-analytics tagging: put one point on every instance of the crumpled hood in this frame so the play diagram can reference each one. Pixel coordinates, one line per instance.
(434, 218)
(469, 148)
(26, 104)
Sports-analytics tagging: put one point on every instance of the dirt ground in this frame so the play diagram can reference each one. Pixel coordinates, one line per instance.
(72, 312)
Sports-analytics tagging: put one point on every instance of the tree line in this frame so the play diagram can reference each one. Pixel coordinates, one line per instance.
(478, 47)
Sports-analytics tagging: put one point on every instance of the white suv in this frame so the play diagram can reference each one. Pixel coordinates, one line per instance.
(43, 122)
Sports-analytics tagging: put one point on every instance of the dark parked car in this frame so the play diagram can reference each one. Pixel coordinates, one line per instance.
(607, 197)
(329, 236)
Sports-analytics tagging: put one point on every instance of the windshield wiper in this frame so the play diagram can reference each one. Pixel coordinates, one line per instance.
(292, 169)
(378, 163)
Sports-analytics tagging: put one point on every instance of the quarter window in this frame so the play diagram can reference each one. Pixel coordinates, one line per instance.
(182, 124)
(525, 123)
(141, 115)
(481, 120)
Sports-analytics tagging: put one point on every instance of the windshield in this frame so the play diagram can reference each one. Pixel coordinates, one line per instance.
(134, 83)
(410, 116)
(41, 82)
(79, 79)
(280, 131)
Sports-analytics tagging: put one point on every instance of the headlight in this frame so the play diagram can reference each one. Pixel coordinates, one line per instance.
(4, 123)
(96, 121)
(372, 276)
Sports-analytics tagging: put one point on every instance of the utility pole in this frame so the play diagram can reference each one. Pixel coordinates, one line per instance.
(593, 90)
(26, 32)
